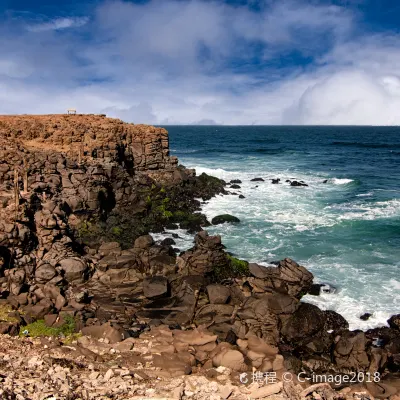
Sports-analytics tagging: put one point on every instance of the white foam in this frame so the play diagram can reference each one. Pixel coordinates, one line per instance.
(341, 181)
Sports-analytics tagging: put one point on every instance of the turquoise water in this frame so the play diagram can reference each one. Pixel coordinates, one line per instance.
(346, 231)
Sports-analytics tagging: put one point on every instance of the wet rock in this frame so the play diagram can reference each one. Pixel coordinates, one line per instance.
(235, 181)
(298, 184)
(394, 322)
(365, 317)
(168, 242)
(172, 226)
(257, 180)
(275, 181)
(335, 321)
(241, 196)
(223, 218)
(235, 186)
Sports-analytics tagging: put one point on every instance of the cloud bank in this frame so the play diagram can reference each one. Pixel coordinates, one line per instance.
(204, 62)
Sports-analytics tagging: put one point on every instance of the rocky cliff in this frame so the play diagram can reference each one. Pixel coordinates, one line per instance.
(78, 197)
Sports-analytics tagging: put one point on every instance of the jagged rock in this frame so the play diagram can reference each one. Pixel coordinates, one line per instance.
(288, 277)
(206, 256)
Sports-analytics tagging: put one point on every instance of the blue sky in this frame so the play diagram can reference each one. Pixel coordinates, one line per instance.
(204, 61)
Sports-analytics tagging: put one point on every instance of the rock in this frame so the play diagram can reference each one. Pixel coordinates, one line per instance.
(232, 359)
(168, 242)
(257, 180)
(45, 273)
(144, 242)
(109, 248)
(241, 196)
(325, 181)
(9, 328)
(235, 181)
(266, 391)
(306, 321)
(296, 183)
(275, 181)
(334, 321)
(350, 351)
(75, 270)
(195, 337)
(155, 287)
(221, 219)
(172, 226)
(365, 317)
(394, 322)
(105, 331)
(50, 319)
(235, 187)
(218, 294)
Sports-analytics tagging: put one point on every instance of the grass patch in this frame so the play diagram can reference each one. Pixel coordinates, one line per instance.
(39, 328)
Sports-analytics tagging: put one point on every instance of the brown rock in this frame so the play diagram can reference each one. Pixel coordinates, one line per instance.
(105, 331)
(218, 294)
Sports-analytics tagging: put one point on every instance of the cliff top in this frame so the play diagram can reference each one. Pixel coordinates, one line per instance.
(63, 132)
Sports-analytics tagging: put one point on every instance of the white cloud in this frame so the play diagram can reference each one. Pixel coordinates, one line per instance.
(58, 24)
(172, 62)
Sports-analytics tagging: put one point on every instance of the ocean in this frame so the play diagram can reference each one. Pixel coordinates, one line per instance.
(345, 231)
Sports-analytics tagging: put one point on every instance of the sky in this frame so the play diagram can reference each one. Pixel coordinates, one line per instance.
(234, 62)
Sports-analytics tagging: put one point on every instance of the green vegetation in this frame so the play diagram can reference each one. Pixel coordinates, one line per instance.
(239, 267)
(39, 328)
(233, 268)
(116, 230)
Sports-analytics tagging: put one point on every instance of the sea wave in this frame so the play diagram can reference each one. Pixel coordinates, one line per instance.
(341, 181)
(368, 145)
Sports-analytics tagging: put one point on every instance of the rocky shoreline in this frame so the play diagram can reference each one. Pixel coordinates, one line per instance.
(92, 308)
